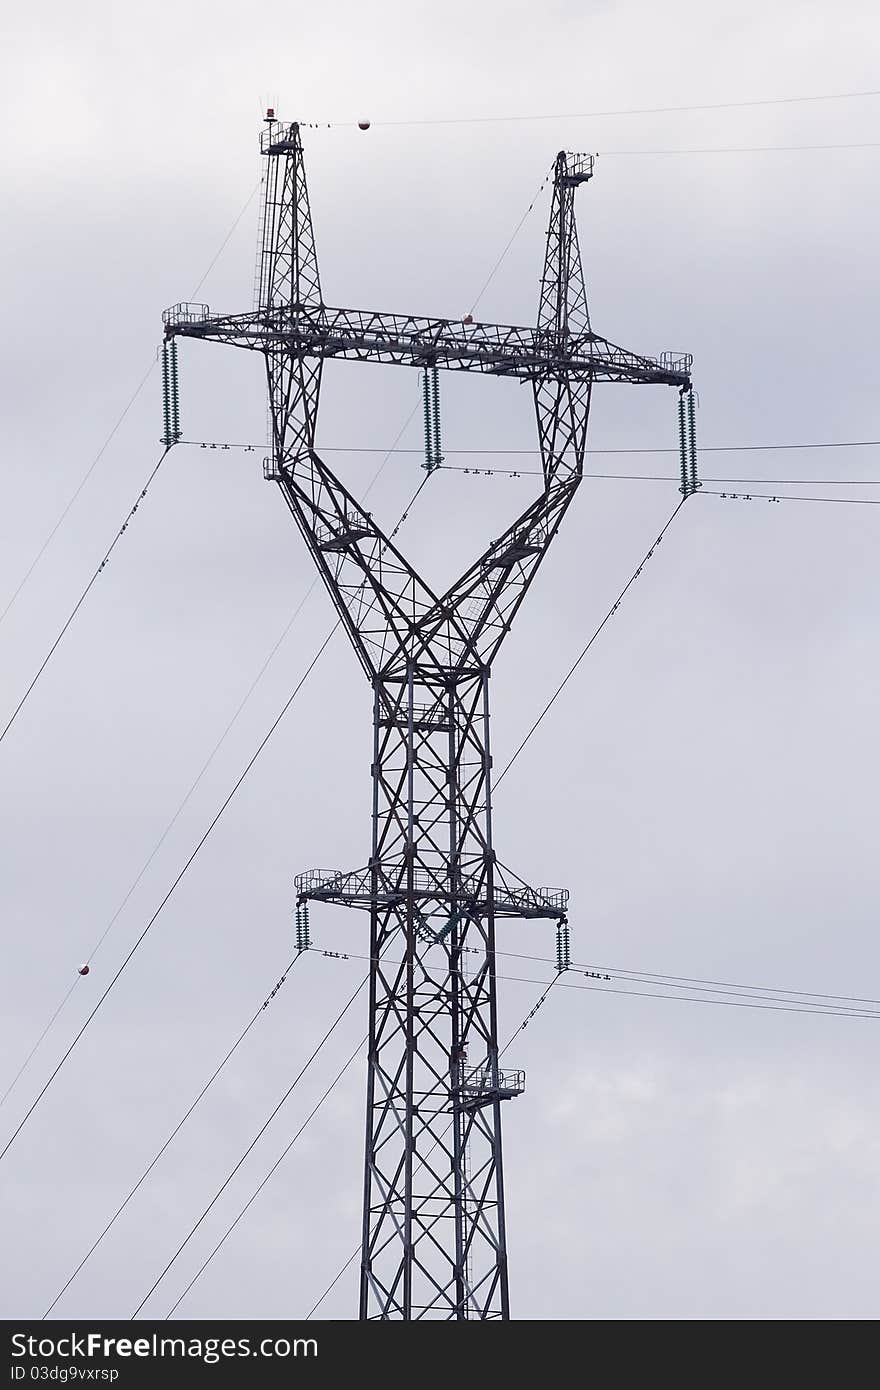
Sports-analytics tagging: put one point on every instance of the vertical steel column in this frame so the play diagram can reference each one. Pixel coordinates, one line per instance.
(409, 1118)
(504, 1297)
(432, 1024)
(456, 1051)
(363, 1304)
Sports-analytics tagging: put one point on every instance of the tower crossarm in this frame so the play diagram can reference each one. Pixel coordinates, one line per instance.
(529, 354)
(359, 888)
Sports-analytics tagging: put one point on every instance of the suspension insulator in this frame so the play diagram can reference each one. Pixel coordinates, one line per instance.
(692, 440)
(175, 393)
(431, 404)
(683, 446)
(426, 410)
(166, 397)
(687, 441)
(435, 413)
(563, 947)
(170, 394)
(303, 933)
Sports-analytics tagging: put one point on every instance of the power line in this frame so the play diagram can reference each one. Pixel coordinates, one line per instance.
(167, 830)
(535, 453)
(410, 503)
(215, 818)
(291, 1143)
(791, 497)
(40, 1039)
(81, 600)
(693, 999)
(228, 237)
(207, 763)
(191, 858)
(181, 874)
(515, 233)
(710, 492)
(652, 976)
(285, 1151)
(608, 616)
(201, 774)
(809, 1002)
(289, 1146)
(79, 487)
(674, 478)
(793, 482)
(720, 149)
(178, 1127)
(767, 996)
(557, 980)
(529, 1016)
(100, 454)
(628, 110)
(249, 1148)
(752, 149)
(333, 1282)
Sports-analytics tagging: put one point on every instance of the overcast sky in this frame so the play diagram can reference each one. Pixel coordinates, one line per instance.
(706, 786)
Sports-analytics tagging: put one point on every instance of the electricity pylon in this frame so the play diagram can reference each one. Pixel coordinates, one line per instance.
(433, 1214)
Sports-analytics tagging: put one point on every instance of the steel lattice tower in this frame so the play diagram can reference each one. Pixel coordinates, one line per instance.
(433, 1216)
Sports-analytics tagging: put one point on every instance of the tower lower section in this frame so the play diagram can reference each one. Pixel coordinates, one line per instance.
(434, 1243)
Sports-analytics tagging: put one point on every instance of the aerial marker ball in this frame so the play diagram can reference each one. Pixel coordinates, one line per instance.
(363, 125)
(84, 970)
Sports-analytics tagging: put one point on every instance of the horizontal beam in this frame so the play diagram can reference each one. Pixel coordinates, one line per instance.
(406, 340)
(356, 889)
